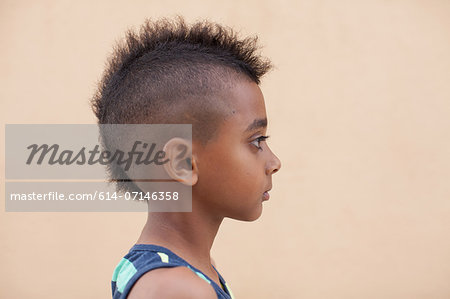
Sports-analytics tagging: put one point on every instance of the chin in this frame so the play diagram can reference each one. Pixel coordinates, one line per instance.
(253, 218)
(250, 215)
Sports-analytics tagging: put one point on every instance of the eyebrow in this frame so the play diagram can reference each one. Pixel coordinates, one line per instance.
(256, 124)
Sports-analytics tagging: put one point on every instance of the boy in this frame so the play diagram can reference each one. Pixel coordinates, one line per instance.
(200, 74)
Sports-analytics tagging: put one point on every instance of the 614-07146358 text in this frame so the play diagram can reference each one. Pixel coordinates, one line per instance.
(157, 195)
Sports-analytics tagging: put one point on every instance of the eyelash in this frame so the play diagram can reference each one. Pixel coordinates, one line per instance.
(259, 140)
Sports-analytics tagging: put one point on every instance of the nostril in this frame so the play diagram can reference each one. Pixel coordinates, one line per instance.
(274, 165)
(277, 165)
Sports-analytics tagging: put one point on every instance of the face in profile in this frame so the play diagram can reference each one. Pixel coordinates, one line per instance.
(235, 169)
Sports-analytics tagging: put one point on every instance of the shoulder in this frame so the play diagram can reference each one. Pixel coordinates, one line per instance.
(171, 283)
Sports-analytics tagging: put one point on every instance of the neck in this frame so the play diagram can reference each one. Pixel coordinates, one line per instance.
(188, 234)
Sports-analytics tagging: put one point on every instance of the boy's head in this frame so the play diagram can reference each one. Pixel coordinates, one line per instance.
(200, 74)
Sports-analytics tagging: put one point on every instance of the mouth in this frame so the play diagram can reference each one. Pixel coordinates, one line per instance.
(266, 195)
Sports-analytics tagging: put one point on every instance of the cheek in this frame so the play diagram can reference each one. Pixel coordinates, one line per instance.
(244, 173)
(239, 164)
(233, 175)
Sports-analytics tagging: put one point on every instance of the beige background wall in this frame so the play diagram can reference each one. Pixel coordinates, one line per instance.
(359, 110)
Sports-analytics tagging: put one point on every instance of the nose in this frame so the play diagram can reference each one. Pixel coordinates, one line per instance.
(274, 164)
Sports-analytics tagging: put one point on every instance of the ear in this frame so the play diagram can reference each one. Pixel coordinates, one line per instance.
(180, 166)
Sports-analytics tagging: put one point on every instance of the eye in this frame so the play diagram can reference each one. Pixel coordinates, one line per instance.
(257, 141)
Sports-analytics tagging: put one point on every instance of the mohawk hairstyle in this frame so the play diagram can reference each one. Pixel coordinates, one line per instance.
(170, 72)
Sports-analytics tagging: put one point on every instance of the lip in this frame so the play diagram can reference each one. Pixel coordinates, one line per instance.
(266, 195)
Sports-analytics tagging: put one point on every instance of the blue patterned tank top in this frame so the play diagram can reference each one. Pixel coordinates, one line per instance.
(145, 257)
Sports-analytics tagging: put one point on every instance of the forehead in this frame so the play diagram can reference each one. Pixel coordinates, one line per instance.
(247, 104)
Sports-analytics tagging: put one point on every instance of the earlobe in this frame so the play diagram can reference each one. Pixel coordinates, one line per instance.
(181, 165)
